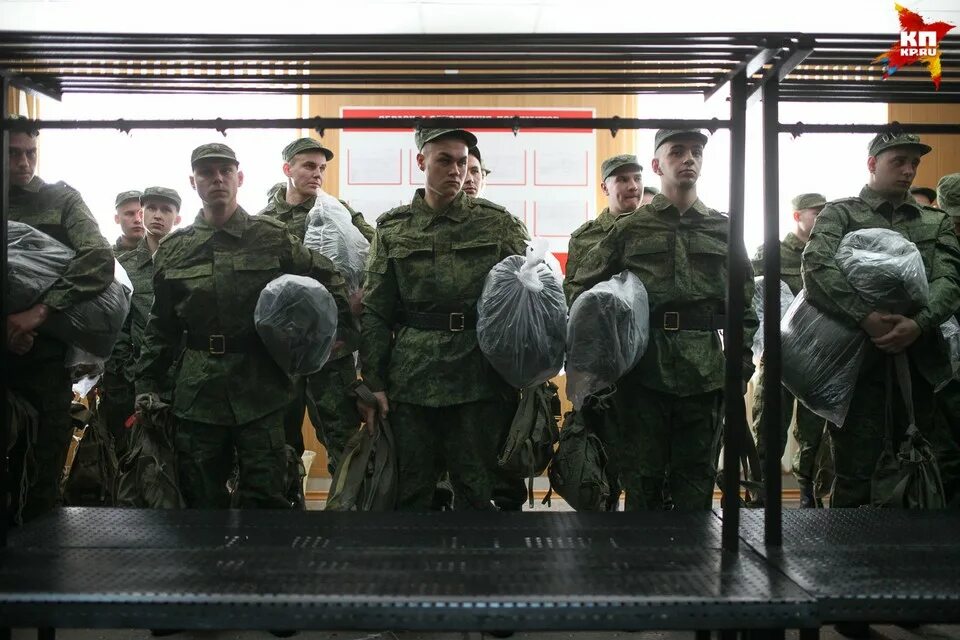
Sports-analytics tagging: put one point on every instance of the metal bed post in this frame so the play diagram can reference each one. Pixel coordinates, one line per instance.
(772, 361)
(734, 409)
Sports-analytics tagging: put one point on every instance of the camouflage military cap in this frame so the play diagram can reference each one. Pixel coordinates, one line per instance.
(161, 193)
(616, 162)
(808, 201)
(305, 144)
(423, 136)
(212, 151)
(651, 190)
(126, 196)
(883, 141)
(669, 134)
(927, 192)
(475, 152)
(948, 194)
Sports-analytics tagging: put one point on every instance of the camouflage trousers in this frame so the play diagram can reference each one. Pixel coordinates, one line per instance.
(116, 405)
(463, 439)
(811, 463)
(206, 454)
(663, 445)
(331, 405)
(43, 381)
(857, 444)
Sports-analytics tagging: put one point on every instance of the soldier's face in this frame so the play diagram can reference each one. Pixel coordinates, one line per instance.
(473, 183)
(217, 181)
(922, 199)
(160, 216)
(23, 158)
(623, 189)
(306, 171)
(444, 164)
(130, 218)
(892, 171)
(678, 162)
(805, 219)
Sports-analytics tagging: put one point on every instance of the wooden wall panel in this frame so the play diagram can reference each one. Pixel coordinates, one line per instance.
(329, 106)
(945, 157)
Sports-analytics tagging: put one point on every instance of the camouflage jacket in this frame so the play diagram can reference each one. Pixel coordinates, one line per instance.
(582, 240)
(295, 215)
(432, 261)
(791, 248)
(138, 263)
(682, 262)
(927, 227)
(59, 211)
(119, 248)
(206, 283)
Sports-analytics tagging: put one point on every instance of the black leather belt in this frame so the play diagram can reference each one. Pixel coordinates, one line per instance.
(683, 321)
(219, 345)
(455, 321)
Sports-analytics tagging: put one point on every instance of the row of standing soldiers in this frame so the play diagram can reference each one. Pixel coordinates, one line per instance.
(189, 340)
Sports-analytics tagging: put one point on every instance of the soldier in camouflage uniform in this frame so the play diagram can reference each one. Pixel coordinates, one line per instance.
(477, 172)
(948, 398)
(161, 212)
(449, 409)
(622, 183)
(809, 428)
(36, 366)
(326, 394)
(622, 177)
(130, 218)
(229, 395)
(669, 407)
(885, 202)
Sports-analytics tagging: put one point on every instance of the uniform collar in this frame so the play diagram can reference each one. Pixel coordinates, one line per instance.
(34, 185)
(456, 210)
(607, 218)
(279, 197)
(793, 242)
(235, 226)
(878, 203)
(143, 252)
(661, 203)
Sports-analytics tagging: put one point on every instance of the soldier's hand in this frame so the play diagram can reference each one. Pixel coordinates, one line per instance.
(877, 324)
(383, 405)
(20, 343)
(356, 302)
(904, 333)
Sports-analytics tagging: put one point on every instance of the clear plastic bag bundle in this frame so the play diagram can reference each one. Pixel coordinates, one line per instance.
(951, 333)
(885, 269)
(36, 262)
(786, 299)
(522, 319)
(296, 317)
(330, 231)
(607, 335)
(821, 359)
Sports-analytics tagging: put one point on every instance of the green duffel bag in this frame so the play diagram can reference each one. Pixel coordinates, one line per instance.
(528, 448)
(93, 475)
(909, 477)
(578, 471)
(148, 471)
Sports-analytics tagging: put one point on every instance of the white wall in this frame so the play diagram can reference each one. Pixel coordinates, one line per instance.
(102, 163)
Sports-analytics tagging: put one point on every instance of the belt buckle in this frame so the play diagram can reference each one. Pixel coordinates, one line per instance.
(452, 322)
(671, 321)
(217, 345)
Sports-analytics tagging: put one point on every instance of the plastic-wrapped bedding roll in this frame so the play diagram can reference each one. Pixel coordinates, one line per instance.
(607, 334)
(330, 232)
(522, 319)
(822, 357)
(786, 299)
(885, 269)
(36, 261)
(296, 317)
